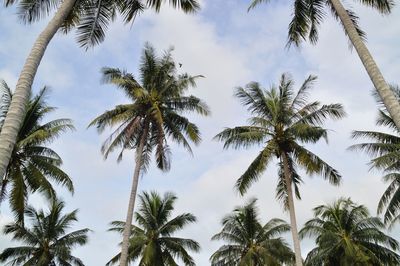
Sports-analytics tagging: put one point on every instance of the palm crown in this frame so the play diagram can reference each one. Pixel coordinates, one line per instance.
(92, 17)
(32, 164)
(309, 14)
(46, 241)
(249, 242)
(155, 111)
(153, 241)
(282, 119)
(347, 235)
(385, 150)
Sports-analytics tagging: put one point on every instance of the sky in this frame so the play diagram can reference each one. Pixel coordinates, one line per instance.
(231, 48)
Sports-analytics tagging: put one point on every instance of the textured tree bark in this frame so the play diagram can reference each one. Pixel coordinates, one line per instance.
(16, 112)
(384, 91)
(131, 206)
(292, 213)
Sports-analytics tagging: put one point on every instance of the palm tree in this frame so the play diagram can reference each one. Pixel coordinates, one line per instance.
(281, 121)
(153, 115)
(346, 234)
(309, 14)
(250, 242)
(153, 241)
(33, 165)
(91, 17)
(385, 149)
(46, 242)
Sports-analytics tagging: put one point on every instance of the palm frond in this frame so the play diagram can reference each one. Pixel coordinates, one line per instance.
(315, 165)
(94, 22)
(255, 3)
(383, 6)
(300, 23)
(46, 239)
(254, 171)
(31, 11)
(242, 137)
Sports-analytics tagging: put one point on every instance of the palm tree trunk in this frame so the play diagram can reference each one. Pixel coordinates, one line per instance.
(16, 112)
(127, 228)
(292, 213)
(384, 91)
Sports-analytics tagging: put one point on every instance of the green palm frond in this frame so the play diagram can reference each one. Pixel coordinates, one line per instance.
(315, 165)
(384, 7)
(283, 120)
(316, 16)
(125, 81)
(91, 18)
(153, 241)
(390, 200)
(188, 6)
(384, 149)
(94, 22)
(33, 165)
(318, 116)
(254, 171)
(346, 234)
(249, 242)
(157, 106)
(46, 239)
(308, 15)
(301, 98)
(31, 11)
(242, 137)
(299, 26)
(255, 3)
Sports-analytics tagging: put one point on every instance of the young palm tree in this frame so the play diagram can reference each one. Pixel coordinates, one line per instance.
(385, 149)
(309, 14)
(153, 241)
(283, 120)
(153, 115)
(250, 242)
(92, 18)
(346, 234)
(33, 165)
(46, 242)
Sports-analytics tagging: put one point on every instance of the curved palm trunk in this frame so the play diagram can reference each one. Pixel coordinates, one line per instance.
(292, 213)
(16, 112)
(127, 228)
(388, 97)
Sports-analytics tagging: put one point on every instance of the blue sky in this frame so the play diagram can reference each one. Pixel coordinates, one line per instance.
(230, 47)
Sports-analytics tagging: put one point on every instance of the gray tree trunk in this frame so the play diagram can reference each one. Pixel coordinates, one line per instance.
(16, 112)
(384, 91)
(292, 212)
(131, 206)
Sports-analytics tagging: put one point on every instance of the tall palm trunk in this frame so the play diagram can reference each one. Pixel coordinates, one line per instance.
(388, 97)
(127, 228)
(292, 213)
(16, 112)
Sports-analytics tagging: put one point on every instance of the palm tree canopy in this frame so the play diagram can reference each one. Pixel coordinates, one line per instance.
(385, 150)
(153, 242)
(346, 234)
(249, 242)
(92, 17)
(308, 15)
(281, 121)
(45, 240)
(33, 165)
(154, 114)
